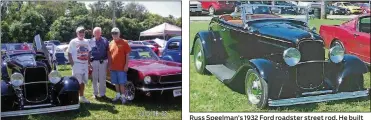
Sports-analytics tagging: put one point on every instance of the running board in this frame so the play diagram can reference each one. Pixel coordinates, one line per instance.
(319, 98)
(221, 72)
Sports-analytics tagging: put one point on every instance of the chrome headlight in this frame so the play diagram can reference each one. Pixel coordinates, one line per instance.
(291, 56)
(17, 79)
(337, 54)
(54, 77)
(147, 80)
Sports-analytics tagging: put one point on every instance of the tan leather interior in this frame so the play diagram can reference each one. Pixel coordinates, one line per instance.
(230, 19)
(235, 21)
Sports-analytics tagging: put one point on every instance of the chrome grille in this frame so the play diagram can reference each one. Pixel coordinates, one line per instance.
(311, 50)
(168, 79)
(310, 70)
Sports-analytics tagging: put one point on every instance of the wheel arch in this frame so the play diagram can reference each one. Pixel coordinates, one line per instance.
(266, 69)
(352, 65)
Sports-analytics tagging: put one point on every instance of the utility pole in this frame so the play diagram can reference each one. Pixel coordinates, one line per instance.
(113, 12)
(323, 9)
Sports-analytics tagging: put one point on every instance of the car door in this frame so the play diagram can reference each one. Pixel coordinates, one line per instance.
(362, 38)
(173, 49)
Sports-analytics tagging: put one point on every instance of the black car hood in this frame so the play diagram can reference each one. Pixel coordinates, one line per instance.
(285, 31)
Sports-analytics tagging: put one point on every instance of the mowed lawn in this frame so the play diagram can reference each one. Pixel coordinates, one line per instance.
(155, 107)
(208, 94)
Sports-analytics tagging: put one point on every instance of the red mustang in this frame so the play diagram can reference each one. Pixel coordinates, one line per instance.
(148, 73)
(353, 36)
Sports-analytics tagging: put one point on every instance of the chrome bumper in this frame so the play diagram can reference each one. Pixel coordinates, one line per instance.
(40, 111)
(319, 98)
(159, 89)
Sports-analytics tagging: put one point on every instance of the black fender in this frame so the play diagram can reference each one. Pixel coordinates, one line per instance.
(66, 91)
(66, 84)
(6, 89)
(8, 97)
(266, 69)
(70, 84)
(212, 45)
(351, 65)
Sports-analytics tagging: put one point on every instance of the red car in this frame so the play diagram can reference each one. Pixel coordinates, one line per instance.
(353, 36)
(214, 6)
(364, 6)
(148, 74)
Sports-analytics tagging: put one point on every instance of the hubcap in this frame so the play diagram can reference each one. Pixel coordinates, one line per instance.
(130, 91)
(254, 88)
(211, 10)
(199, 60)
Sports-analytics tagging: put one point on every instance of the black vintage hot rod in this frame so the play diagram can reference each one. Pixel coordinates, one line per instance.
(30, 85)
(276, 61)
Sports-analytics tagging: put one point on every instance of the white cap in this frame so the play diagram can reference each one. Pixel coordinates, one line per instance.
(79, 28)
(115, 29)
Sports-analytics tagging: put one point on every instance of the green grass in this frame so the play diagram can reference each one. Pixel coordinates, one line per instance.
(208, 94)
(166, 106)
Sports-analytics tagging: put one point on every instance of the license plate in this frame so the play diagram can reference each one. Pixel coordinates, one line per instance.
(177, 92)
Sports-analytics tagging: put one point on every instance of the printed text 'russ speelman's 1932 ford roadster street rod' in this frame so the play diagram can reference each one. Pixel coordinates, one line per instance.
(30, 84)
(276, 61)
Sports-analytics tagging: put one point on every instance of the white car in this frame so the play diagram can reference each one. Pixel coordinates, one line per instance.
(142, 43)
(195, 8)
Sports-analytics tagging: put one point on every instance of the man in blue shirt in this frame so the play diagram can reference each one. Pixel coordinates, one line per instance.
(99, 46)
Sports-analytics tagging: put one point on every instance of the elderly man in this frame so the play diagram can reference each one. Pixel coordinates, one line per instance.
(118, 58)
(99, 46)
(79, 57)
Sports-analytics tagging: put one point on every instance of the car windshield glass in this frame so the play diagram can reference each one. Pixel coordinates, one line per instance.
(11, 47)
(364, 25)
(142, 53)
(146, 43)
(261, 10)
(256, 2)
(26, 57)
(174, 45)
(56, 42)
(347, 4)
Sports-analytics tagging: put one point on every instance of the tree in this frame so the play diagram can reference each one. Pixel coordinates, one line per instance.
(31, 23)
(135, 10)
(51, 10)
(5, 36)
(62, 29)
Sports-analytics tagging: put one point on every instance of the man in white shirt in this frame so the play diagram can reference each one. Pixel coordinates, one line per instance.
(79, 57)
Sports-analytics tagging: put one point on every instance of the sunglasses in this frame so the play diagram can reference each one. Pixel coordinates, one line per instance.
(114, 33)
(82, 31)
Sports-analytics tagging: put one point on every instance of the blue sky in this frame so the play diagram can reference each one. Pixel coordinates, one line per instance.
(163, 8)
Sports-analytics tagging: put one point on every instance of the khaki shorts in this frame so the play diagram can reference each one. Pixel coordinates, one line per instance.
(81, 72)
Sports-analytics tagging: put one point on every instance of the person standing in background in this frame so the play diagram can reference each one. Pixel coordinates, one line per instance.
(118, 58)
(79, 57)
(99, 46)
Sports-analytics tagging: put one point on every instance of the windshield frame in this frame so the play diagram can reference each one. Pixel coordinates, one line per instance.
(152, 54)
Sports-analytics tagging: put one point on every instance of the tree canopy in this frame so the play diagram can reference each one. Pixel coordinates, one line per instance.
(57, 20)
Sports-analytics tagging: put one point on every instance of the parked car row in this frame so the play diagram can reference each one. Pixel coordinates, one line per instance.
(171, 51)
(31, 84)
(220, 7)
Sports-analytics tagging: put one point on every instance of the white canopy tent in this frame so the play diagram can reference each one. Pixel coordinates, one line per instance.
(162, 30)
